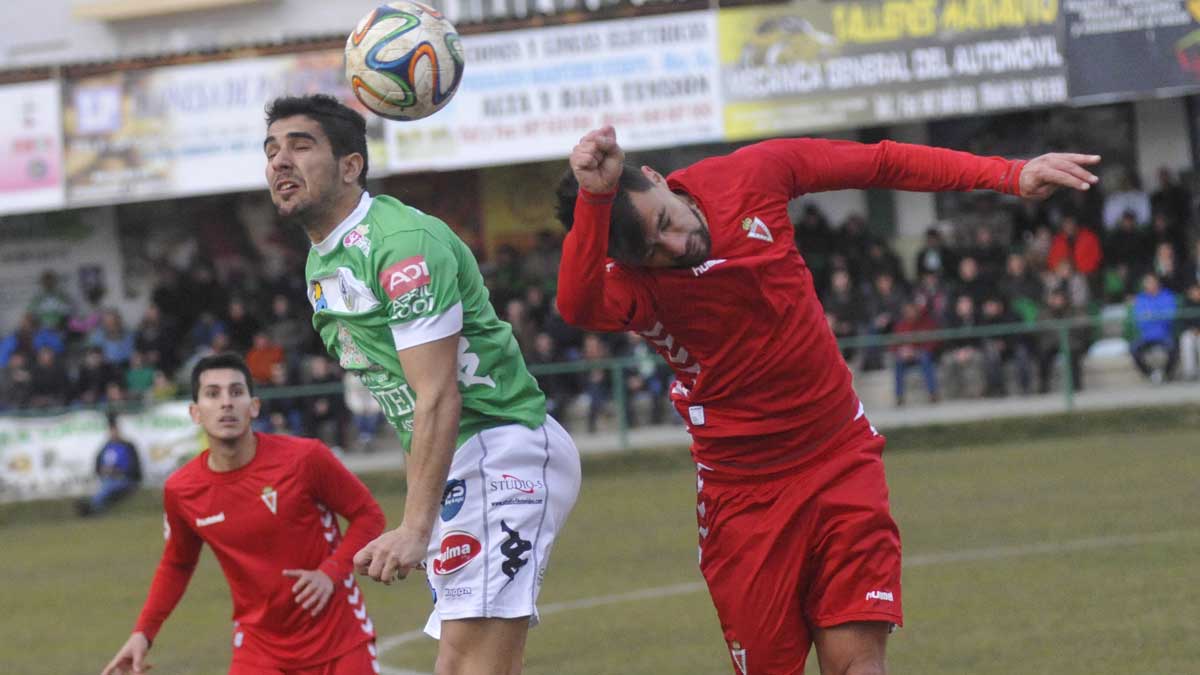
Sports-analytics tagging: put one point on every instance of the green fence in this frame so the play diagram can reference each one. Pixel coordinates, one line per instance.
(618, 367)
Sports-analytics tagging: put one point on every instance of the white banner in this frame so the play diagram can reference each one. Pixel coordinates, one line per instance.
(42, 457)
(185, 130)
(31, 146)
(530, 94)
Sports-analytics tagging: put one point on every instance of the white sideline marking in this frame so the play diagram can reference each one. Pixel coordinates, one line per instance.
(966, 555)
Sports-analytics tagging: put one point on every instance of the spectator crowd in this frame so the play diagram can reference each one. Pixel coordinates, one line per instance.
(999, 262)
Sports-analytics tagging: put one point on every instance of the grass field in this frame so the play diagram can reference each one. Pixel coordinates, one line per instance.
(1072, 555)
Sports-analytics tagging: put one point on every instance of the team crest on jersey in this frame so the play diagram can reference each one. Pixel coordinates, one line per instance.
(271, 498)
(358, 239)
(738, 652)
(317, 295)
(756, 229)
(341, 292)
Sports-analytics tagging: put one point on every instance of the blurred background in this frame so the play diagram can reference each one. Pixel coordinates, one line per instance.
(1053, 344)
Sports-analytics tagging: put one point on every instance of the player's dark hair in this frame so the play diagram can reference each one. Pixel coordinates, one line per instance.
(345, 128)
(626, 241)
(220, 362)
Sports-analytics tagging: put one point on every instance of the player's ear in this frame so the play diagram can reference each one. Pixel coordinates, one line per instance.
(352, 166)
(255, 407)
(194, 411)
(654, 176)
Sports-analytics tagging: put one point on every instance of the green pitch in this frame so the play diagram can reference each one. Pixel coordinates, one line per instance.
(1072, 555)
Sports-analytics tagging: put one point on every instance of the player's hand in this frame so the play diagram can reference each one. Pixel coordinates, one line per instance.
(1044, 174)
(313, 589)
(597, 160)
(392, 555)
(131, 658)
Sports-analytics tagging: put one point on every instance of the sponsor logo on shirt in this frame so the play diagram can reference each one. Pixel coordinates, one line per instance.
(886, 596)
(706, 266)
(453, 498)
(510, 482)
(210, 520)
(400, 278)
(456, 593)
(512, 549)
(317, 297)
(417, 302)
(358, 239)
(458, 549)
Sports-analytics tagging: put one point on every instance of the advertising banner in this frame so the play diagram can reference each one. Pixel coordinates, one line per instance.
(1122, 48)
(814, 66)
(530, 94)
(185, 130)
(43, 457)
(31, 147)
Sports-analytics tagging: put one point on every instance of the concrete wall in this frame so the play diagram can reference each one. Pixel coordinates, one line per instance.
(1162, 138)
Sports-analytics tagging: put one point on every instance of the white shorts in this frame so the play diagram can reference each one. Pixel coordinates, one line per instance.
(508, 493)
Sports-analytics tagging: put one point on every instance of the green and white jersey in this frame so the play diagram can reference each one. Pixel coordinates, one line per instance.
(390, 277)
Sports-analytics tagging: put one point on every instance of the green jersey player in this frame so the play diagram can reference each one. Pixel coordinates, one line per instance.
(398, 299)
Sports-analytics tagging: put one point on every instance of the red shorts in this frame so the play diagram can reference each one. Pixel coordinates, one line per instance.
(361, 660)
(812, 548)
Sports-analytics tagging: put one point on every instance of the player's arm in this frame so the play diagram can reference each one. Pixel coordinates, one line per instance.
(431, 369)
(175, 568)
(588, 295)
(818, 165)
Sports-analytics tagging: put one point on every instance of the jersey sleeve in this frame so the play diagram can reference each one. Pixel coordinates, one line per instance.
(595, 293)
(339, 489)
(175, 568)
(819, 165)
(417, 277)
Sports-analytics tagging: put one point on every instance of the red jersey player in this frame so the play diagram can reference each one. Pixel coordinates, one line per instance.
(266, 505)
(797, 543)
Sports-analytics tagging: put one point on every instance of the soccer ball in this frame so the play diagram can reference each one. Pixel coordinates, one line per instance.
(404, 60)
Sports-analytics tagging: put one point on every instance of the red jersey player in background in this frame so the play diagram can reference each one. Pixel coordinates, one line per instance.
(797, 543)
(266, 505)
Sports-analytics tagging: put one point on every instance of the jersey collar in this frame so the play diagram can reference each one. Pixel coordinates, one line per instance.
(326, 245)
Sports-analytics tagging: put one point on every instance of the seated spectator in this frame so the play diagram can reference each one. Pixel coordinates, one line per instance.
(814, 238)
(516, 314)
(241, 326)
(1049, 343)
(1003, 349)
(845, 308)
(1191, 269)
(936, 257)
(962, 361)
(970, 282)
(1127, 244)
(988, 254)
(51, 306)
(933, 296)
(288, 330)
(325, 414)
(1078, 244)
(881, 258)
(206, 328)
(157, 338)
(915, 319)
(119, 469)
(139, 379)
(1065, 278)
(16, 383)
(93, 377)
(537, 305)
(883, 311)
(1172, 198)
(286, 407)
(1189, 333)
(50, 386)
(28, 338)
(1021, 288)
(365, 411)
(1155, 350)
(262, 358)
(647, 381)
(1125, 195)
(850, 243)
(539, 265)
(596, 382)
(560, 388)
(83, 323)
(113, 340)
(1163, 231)
(1117, 284)
(164, 388)
(1164, 267)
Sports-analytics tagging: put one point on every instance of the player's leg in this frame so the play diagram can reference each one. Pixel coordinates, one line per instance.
(509, 493)
(362, 660)
(239, 668)
(752, 555)
(482, 646)
(855, 648)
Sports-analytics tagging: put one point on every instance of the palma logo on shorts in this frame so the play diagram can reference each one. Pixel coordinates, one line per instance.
(457, 551)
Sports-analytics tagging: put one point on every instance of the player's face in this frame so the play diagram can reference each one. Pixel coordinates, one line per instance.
(675, 231)
(224, 407)
(302, 173)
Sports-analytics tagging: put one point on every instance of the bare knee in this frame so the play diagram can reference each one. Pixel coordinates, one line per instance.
(482, 647)
(852, 649)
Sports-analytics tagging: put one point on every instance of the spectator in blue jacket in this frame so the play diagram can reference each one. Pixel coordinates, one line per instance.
(1155, 350)
(29, 338)
(119, 469)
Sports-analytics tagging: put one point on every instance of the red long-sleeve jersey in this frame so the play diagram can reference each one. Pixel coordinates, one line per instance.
(278, 512)
(744, 331)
